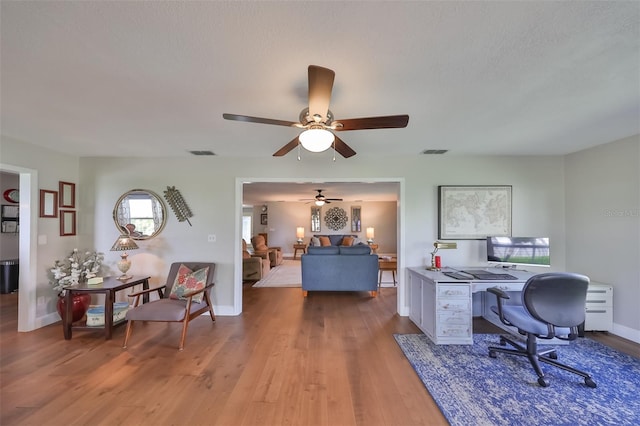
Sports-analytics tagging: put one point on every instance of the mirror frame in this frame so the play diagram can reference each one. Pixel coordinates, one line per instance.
(121, 228)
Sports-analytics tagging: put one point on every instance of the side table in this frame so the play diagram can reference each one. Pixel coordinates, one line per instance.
(297, 247)
(109, 287)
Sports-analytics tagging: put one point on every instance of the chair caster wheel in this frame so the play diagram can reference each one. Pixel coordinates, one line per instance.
(589, 382)
(544, 382)
(493, 354)
(553, 355)
(503, 342)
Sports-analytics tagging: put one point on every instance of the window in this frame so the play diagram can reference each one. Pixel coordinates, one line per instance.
(247, 228)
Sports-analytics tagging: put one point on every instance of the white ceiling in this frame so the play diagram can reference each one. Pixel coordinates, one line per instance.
(145, 79)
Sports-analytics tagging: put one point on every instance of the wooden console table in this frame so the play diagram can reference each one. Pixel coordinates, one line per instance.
(387, 264)
(108, 287)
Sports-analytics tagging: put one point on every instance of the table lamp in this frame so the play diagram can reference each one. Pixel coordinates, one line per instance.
(439, 245)
(370, 235)
(124, 243)
(300, 234)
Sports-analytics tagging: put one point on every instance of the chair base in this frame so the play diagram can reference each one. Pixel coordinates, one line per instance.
(547, 356)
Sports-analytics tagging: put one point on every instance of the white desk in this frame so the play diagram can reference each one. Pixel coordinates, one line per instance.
(442, 306)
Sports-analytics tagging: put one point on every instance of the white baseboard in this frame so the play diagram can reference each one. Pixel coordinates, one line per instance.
(626, 332)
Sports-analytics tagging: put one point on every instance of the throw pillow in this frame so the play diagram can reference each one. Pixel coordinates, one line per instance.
(347, 241)
(188, 281)
(325, 241)
(315, 241)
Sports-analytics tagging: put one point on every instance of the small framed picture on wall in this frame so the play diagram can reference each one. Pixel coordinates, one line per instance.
(263, 219)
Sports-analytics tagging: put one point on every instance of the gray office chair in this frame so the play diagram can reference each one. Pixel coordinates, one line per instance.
(553, 305)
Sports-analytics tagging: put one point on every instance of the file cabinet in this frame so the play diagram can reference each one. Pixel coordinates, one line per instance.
(599, 307)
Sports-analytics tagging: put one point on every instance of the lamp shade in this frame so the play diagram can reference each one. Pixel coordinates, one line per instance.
(123, 243)
(370, 233)
(316, 140)
(300, 232)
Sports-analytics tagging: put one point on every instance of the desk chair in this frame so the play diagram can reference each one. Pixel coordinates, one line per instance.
(553, 305)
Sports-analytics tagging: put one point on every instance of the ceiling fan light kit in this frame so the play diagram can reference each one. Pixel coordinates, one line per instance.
(318, 120)
(316, 139)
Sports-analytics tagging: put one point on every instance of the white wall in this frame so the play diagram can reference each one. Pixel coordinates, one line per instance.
(208, 185)
(285, 217)
(603, 224)
(41, 243)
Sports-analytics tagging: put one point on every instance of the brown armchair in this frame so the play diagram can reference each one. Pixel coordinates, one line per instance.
(254, 267)
(274, 254)
(168, 309)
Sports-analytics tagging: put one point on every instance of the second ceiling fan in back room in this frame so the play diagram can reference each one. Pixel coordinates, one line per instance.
(318, 121)
(320, 199)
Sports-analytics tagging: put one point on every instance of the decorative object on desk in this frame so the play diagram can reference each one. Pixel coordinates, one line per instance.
(140, 213)
(336, 218)
(435, 260)
(75, 268)
(370, 235)
(124, 243)
(496, 394)
(473, 212)
(95, 281)
(300, 234)
(178, 205)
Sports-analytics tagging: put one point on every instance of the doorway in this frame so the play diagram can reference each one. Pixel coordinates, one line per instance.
(401, 291)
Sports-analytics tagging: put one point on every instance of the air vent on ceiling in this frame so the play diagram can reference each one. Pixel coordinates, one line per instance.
(434, 151)
(202, 152)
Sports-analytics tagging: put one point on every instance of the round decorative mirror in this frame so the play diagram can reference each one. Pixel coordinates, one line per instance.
(140, 213)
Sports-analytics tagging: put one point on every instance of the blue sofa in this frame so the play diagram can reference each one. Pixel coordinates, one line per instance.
(340, 268)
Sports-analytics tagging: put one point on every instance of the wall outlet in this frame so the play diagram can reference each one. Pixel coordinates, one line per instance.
(211, 238)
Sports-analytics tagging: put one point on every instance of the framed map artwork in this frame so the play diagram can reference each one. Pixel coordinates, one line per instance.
(474, 212)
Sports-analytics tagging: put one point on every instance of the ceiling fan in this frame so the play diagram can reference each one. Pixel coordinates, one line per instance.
(320, 199)
(318, 121)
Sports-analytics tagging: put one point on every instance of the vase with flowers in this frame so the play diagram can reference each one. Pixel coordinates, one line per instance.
(72, 270)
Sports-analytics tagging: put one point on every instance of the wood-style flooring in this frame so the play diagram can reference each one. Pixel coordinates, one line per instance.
(328, 359)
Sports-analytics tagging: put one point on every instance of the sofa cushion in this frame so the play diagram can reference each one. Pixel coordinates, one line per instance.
(325, 241)
(347, 240)
(315, 241)
(323, 250)
(354, 250)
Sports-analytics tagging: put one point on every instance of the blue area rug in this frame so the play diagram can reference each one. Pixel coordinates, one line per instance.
(473, 389)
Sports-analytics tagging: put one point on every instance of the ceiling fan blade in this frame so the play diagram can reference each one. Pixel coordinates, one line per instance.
(342, 148)
(287, 148)
(249, 119)
(320, 86)
(384, 122)
(333, 199)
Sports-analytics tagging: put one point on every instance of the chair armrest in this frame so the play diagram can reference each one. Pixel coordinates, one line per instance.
(500, 294)
(275, 248)
(149, 290)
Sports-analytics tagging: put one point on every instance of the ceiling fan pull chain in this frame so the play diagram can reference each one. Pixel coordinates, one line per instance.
(334, 151)
(298, 151)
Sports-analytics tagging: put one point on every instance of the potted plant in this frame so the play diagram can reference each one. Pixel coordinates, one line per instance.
(74, 269)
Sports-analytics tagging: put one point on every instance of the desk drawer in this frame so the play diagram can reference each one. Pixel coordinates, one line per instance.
(452, 290)
(454, 318)
(456, 305)
(453, 330)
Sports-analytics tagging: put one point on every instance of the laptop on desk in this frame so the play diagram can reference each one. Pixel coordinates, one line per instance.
(483, 275)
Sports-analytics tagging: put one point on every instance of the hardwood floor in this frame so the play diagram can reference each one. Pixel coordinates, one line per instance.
(329, 359)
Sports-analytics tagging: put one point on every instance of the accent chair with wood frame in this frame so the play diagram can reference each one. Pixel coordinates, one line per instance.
(171, 308)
